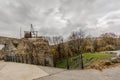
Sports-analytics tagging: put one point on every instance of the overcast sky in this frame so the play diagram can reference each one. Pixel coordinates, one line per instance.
(59, 17)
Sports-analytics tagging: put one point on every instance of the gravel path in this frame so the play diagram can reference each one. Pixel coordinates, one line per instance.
(17, 71)
(107, 74)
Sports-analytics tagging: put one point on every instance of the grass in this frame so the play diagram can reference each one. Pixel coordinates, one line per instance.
(88, 58)
(96, 57)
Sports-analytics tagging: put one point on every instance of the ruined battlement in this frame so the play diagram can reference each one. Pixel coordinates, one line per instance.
(28, 50)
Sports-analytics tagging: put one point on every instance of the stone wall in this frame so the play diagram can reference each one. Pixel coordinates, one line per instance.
(31, 51)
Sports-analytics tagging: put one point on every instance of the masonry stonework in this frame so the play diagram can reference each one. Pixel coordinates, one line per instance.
(28, 50)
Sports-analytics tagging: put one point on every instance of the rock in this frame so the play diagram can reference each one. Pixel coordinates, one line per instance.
(107, 63)
(109, 52)
(118, 55)
(114, 60)
(95, 66)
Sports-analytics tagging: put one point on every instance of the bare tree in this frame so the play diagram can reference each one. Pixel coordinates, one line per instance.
(77, 40)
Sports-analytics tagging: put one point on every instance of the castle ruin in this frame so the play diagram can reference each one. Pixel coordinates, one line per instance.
(28, 50)
(31, 49)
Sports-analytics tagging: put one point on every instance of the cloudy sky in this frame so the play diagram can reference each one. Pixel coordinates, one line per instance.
(59, 17)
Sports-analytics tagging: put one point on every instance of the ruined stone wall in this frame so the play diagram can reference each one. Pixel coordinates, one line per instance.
(3, 40)
(31, 51)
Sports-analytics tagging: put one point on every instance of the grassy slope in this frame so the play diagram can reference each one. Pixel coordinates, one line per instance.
(89, 58)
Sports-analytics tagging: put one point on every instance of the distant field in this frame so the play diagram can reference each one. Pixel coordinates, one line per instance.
(88, 58)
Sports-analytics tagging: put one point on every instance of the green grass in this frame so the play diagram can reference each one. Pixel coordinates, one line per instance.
(95, 58)
(61, 63)
(89, 58)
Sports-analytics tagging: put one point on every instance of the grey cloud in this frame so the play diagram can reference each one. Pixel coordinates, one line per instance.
(58, 17)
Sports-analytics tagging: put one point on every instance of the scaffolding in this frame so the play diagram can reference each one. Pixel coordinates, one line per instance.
(31, 34)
